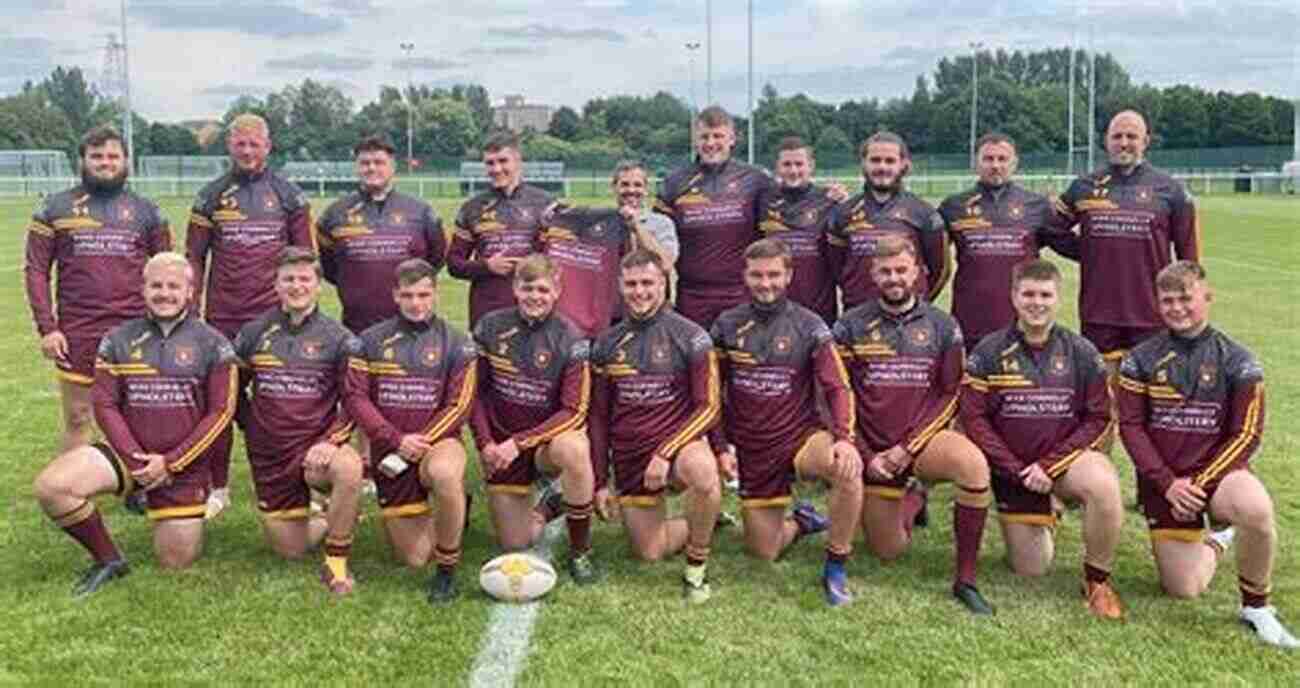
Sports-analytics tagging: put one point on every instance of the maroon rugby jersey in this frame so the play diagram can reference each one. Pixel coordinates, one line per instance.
(994, 230)
(857, 224)
(1190, 408)
(587, 246)
(797, 217)
(492, 223)
(411, 378)
(654, 389)
(98, 244)
(772, 359)
(715, 208)
(362, 240)
(906, 371)
(534, 379)
(1128, 225)
(164, 393)
(1026, 404)
(244, 221)
(295, 383)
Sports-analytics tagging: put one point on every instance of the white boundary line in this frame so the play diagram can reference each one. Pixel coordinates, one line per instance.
(506, 640)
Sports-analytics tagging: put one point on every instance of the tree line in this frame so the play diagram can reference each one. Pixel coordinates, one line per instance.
(1023, 94)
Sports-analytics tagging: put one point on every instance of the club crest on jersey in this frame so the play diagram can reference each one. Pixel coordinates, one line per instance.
(228, 202)
(125, 213)
(1058, 364)
(782, 345)
(388, 354)
(1162, 376)
(598, 229)
(270, 202)
(1208, 373)
(355, 218)
(875, 335)
(733, 185)
(1010, 365)
(542, 358)
(185, 355)
(525, 214)
(311, 348)
(920, 336)
(503, 348)
(398, 218)
(1144, 194)
(659, 353)
(136, 354)
(429, 355)
(1016, 212)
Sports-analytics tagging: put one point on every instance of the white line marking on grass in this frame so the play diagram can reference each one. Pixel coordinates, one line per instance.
(507, 638)
(1251, 266)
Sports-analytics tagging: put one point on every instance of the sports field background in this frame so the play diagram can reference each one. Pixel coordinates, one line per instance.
(242, 616)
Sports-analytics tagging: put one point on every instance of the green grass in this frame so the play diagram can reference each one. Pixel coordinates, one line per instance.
(242, 616)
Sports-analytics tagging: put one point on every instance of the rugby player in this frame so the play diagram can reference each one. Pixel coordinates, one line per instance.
(714, 204)
(1191, 405)
(1132, 219)
(238, 226)
(365, 234)
(655, 395)
(995, 226)
(1037, 404)
(904, 358)
(295, 358)
(774, 354)
(496, 229)
(99, 273)
(164, 390)
(885, 208)
(529, 412)
(796, 211)
(411, 389)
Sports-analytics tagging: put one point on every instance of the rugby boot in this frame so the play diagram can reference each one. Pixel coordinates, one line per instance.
(695, 582)
(1267, 627)
(442, 587)
(98, 575)
(218, 501)
(971, 598)
(136, 503)
(1102, 600)
(808, 519)
(338, 587)
(583, 569)
(835, 585)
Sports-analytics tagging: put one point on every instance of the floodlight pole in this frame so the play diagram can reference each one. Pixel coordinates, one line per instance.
(750, 135)
(1069, 146)
(127, 123)
(974, 95)
(408, 48)
(708, 51)
(1092, 96)
(691, 47)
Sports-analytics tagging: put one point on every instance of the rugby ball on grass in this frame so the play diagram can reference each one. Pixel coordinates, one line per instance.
(517, 577)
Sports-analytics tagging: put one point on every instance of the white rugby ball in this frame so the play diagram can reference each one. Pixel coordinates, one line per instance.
(517, 577)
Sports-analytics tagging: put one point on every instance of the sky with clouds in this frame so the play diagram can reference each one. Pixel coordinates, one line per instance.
(190, 58)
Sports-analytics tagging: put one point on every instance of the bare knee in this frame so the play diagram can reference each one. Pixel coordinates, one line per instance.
(765, 551)
(1029, 567)
(291, 551)
(345, 472)
(1182, 587)
(887, 548)
(46, 486)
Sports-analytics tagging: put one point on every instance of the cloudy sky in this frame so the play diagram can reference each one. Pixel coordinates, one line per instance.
(189, 58)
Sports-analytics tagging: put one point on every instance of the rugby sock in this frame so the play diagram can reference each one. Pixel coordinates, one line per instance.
(836, 557)
(337, 550)
(970, 510)
(1253, 594)
(911, 504)
(696, 555)
(578, 518)
(1093, 574)
(219, 452)
(447, 559)
(86, 526)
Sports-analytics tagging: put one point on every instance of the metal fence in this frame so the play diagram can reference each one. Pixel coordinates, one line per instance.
(1262, 183)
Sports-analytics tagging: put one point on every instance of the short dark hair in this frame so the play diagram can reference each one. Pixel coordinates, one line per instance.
(1039, 270)
(500, 141)
(374, 142)
(886, 137)
(627, 166)
(413, 270)
(99, 136)
(892, 245)
(1177, 275)
(995, 137)
(299, 255)
(643, 256)
(714, 116)
(769, 248)
(793, 143)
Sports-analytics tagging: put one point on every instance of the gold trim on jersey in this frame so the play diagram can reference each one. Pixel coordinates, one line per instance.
(578, 419)
(177, 512)
(766, 502)
(37, 227)
(265, 361)
(916, 446)
(1250, 431)
(501, 364)
(125, 369)
(1179, 534)
(72, 224)
(883, 491)
(200, 221)
(74, 378)
(703, 418)
(223, 421)
(406, 510)
(1086, 204)
(385, 369)
(640, 501)
(459, 408)
(295, 514)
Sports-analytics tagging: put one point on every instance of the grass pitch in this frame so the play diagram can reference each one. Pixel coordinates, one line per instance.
(243, 616)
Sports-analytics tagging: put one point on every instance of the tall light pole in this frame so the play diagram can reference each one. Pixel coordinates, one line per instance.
(1092, 96)
(708, 51)
(128, 128)
(691, 47)
(408, 48)
(974, 95)
(750, 135)
(1069, 145)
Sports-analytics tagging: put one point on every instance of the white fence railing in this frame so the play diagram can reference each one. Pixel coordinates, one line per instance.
(453, 187)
